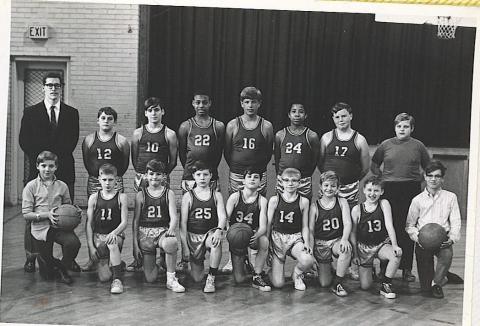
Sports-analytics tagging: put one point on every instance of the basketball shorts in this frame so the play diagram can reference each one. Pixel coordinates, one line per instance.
(323, 250)
(149, 239)
(93, 185)
(350, 193)
(304, 187)
(188, 185)
(197, 245)
(100, 239)
(367, 253)
(236, 183)
(281, 244)
(140, 181)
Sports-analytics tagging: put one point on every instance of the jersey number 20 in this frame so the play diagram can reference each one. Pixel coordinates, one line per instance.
(331, 224)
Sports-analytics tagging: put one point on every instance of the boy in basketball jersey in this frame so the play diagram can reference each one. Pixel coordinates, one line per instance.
(154, 225)
(248, 141)
(330, 226)
(153, 140)
(373, 236)
(434, 205)
(288, 221)
(249, 207)
(203, 220)
(101, 147)
(106, 220)
(296, 146)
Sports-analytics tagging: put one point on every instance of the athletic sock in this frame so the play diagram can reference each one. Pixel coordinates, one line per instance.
(338, 279)
(170, 275)
(387, 279)
(213, 271)
(117, 272)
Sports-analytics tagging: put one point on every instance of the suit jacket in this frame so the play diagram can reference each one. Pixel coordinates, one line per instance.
(36, 136)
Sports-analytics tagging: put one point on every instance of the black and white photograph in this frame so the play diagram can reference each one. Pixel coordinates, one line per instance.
(239, 162)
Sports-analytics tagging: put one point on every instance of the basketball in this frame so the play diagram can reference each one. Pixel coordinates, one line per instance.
(431, 236)
(69, 217)
(238, 237)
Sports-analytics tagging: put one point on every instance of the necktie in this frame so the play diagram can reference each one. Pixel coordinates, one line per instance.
(53, 118)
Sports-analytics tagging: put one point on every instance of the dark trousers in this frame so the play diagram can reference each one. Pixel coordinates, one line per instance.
(426, 270)
(400, 195)
(28, 242)
(70, 247)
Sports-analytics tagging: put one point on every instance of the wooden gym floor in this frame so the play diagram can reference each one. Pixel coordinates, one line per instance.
(27, 299)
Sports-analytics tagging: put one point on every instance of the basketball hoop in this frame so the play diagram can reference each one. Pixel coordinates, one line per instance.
(446, 27)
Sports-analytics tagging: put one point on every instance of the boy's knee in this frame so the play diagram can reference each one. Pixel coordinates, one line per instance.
(277, 283)
(170, 245)
(263, 243)
(150, 277)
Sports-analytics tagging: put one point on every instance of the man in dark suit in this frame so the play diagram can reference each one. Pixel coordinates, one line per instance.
(53, 126)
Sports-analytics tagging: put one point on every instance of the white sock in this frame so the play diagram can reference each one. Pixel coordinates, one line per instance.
(170, 275)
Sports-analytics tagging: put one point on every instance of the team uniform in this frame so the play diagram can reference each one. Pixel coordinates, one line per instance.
(152, 145)
(248, 213)
(372, 235)
(344, 157)
(247, 146)
(107, 217)
(328, 231)
(202, 221)
(202, 145)
(154, 221)
(296, 152)
(99, 153)
(286, 227)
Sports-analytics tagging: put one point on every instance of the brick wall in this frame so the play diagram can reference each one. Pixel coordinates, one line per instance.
(101, 42)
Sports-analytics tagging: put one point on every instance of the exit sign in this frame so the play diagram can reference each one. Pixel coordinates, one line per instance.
(38, 32)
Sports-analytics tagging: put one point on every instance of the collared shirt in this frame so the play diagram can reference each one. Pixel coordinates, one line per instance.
(441, 208)
(39, 197)
(57, 109)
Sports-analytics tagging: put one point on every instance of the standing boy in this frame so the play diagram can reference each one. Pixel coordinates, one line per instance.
(434, 205)
(249, 207)
(202, 223)
(330, 226)
(288, 222)
(101, 147)
(296, 146)
(106, 220)
(154, 225)
(373, 236)
(39, 198)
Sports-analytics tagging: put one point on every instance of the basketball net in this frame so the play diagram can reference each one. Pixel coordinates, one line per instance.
(446, 27)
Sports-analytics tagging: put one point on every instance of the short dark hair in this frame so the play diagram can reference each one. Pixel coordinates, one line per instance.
(156, 166)
(374, 180)
(251, 93)
(404, 117)
(108, 111)
(153, 101)
(200, 165)
(52, 75)
(435, 165)
(201, 92)
(47, 156)
(107, 168)
(339, 106)
(252, 170)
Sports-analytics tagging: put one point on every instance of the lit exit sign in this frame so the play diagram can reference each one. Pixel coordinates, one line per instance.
(38, 32)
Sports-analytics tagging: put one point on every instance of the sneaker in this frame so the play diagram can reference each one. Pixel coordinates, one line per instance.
(408, 276)
(353, 273)
(298, 281)
(259, 283)
(29, 266)
(453, 278)
(135, 266)
(117, 286)
(172, 284)
(90, 266)
(228, 268)
(209, 284)
(182, 266)
(339, 290)
(266, 278)
(437, 291)
(386, 291)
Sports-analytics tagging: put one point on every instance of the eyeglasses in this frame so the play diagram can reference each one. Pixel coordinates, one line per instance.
(198, 102)
(434, 176)
(155, 109)
(57, 86)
